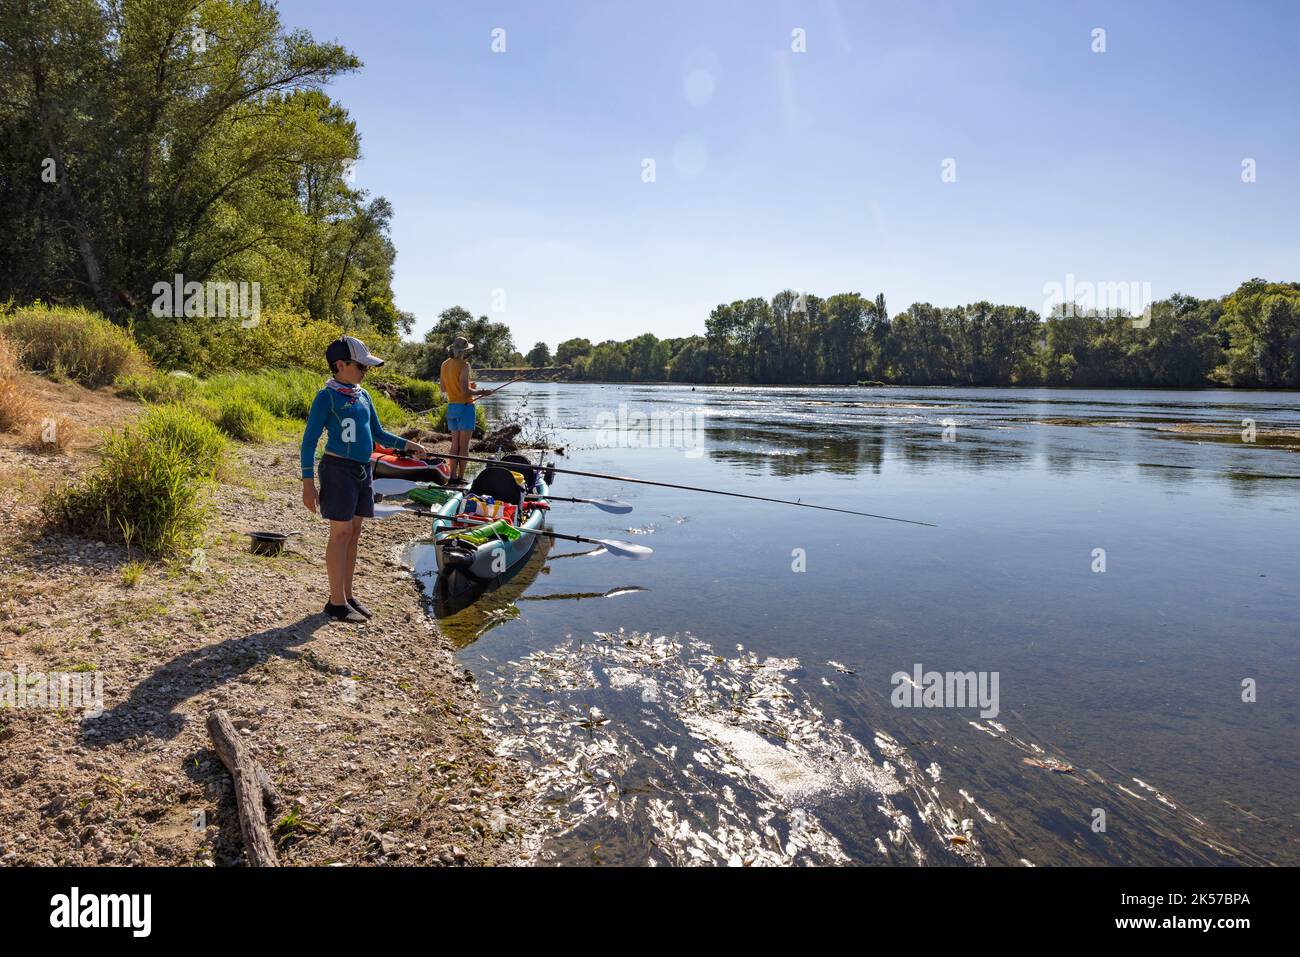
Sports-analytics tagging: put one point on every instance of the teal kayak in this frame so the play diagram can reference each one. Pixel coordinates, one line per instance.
(487, 551)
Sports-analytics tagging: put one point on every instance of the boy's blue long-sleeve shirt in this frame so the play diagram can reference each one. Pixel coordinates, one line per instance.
(351, 425)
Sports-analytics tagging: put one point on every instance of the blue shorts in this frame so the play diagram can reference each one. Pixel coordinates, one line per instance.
(346, 491)
(460, 416)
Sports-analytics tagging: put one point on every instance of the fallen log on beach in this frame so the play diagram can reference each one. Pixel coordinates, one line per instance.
(252, 787)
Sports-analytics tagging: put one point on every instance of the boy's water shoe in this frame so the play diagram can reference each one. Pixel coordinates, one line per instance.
(345, 613)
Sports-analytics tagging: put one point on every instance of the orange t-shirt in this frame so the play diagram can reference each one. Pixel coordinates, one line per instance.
(450, 376)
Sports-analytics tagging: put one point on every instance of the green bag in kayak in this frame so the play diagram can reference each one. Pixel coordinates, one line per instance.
(487, 533)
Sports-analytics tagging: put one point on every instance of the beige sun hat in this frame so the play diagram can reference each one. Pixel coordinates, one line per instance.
(459, 346)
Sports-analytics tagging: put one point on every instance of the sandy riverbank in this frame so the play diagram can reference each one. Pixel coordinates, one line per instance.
(371, 731)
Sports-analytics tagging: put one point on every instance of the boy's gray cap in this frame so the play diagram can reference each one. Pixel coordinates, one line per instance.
(350, 347)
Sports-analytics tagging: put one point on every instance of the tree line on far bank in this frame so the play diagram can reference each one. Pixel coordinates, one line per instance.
(1249, 338)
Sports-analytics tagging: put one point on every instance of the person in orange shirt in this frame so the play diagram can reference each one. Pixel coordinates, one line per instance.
(461, 393)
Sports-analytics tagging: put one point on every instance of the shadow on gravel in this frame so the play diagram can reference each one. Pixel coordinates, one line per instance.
(150, 709)
(204, 769)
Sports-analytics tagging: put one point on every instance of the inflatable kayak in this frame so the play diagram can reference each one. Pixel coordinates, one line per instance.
(480, 547)
(390, 464)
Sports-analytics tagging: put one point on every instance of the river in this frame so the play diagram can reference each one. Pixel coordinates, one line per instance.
(1120, 567)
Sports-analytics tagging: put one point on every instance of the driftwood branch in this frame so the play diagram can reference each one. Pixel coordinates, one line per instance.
(270, 794)
(252, 787)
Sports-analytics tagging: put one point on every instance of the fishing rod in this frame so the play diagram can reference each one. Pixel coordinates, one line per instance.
(696, 488)
(518, 378)
(386, 487)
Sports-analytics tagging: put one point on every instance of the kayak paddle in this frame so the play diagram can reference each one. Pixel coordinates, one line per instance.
(614, 547)
(621, 549)
(604, 504)
(391, 486)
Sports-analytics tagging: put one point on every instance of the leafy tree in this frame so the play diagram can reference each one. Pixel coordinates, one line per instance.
(539, 356)
(570, 349)
(180, 136)
(645, 358)
(608, 362)
(493, 346)
(1262, 323)
(690, 363)
(844, 337)
(805, 339)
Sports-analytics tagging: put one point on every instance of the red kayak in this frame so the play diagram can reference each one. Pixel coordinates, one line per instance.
(390, 464)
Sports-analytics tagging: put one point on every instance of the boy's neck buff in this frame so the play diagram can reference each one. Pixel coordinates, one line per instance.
(351, 391)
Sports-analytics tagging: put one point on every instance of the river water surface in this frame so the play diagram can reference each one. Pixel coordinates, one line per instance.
(1125, 564)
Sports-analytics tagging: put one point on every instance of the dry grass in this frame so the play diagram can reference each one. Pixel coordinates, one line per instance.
(10, 360)
(52, 435)
(18, 410)
(22, 413)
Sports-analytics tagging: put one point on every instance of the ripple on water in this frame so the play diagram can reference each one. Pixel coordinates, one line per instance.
(725, 761)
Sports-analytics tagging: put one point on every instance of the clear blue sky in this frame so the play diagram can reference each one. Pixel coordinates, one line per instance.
(820, 171)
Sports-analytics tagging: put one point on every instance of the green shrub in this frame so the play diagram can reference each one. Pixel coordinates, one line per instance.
(289, 393)
(391, 415)
(436, 418)
(253, 406)
(131, 574)
(204, 407)
(284, 393)
(144, 492)
(242, 418)
(196, 345)
(214, 346)
(157, 387)
(73, 342)
(418, 395)
(186, 429)
(285, 341)
(439, 418)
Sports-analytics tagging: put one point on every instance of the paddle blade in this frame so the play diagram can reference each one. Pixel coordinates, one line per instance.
(611, 506)
(626, 549)
(392, 486)
(387, 510)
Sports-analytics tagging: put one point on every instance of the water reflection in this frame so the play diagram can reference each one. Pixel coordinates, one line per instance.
(660, 750)
(466, 609)
(757, 437)
(579, 596)
(675, 749)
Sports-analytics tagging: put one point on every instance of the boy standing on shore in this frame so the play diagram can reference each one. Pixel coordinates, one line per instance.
(346, 413)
